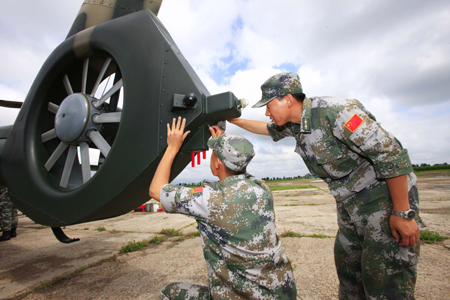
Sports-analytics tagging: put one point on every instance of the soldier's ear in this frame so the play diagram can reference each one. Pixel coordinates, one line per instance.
(216, 163)
(289, 99)
(219, 163)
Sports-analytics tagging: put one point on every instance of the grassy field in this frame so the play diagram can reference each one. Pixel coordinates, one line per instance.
(432, 172)
(432, 168)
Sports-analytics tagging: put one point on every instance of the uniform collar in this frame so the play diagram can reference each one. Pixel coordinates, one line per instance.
(305, 127)
(226, 180)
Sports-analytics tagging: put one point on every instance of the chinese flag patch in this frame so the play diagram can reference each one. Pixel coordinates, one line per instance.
(198, 190)
(354, 123)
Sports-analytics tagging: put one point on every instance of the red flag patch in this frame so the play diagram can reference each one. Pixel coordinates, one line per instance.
(354, 123)
(198, 190)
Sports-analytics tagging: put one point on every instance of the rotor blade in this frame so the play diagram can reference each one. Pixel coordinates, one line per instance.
(100, 76)
(100, 142)
(84, 76)
(46, 136)
(115, 98)
(109, 93)
(55, 155)
(10, 104)
(67, 85)
(68, 166)
(107, 118)
(52, 107)
(85, 163)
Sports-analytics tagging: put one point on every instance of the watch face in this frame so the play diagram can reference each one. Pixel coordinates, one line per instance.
(411, 214)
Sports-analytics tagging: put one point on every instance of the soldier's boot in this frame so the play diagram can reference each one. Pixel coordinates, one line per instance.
(13, 233)
(6, 236)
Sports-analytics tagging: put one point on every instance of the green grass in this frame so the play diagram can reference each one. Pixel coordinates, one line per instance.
(290, 233)
(194, 234)
(171, 231)
(180, 239)
(192, 186)
(79, 270)
(157, 240)
(44, 285)
(288, 180)
(195, 223)
(291, 187)
(445, 172)
(431, 237)
(133, 246)
(99, 229)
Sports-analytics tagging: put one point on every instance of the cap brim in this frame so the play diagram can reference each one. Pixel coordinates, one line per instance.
(262, 102)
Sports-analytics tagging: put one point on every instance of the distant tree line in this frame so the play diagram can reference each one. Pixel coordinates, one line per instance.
(428, 167)
(307, 176)
(416, 167)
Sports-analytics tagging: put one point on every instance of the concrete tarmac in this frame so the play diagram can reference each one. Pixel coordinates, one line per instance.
(92, 268)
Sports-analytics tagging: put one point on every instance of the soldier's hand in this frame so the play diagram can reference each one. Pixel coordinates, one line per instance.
(176, 134)
(215, 131)
(404, 231)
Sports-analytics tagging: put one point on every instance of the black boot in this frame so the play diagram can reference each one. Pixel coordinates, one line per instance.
(13, 232)
(6, 236)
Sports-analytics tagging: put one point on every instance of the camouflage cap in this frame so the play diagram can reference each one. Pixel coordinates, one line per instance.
(280, 84)
(233, 150)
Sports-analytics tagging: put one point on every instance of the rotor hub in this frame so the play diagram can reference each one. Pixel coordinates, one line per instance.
(74, 118)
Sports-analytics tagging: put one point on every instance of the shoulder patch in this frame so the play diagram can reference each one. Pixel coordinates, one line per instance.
(354, 123)
(198, 190)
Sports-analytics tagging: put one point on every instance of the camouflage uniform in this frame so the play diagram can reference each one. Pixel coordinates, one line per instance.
(8, 213)
(341, 142)
(244, 256)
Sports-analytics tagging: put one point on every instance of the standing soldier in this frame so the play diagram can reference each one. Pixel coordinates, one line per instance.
(8, 216)
(369, 174)
(236, 220)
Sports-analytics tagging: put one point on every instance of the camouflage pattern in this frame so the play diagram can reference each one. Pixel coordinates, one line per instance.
(8, 213)
(243, 253)
(94, 12)
(347, 161)
(233, 150)
(181, 290)
(280, 84)
(341, 142)
(364, 240)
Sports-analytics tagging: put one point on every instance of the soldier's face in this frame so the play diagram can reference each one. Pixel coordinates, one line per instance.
(276, 110)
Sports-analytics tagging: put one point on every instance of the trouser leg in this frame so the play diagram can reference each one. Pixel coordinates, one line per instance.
(6, 214)
(347, 256)
(367, 253)
(14, 218)
(388, 270)
(184, 291)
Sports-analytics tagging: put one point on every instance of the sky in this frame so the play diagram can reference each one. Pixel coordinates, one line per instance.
(393, 56)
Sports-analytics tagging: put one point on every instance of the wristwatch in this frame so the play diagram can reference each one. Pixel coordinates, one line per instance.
(409, 214)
